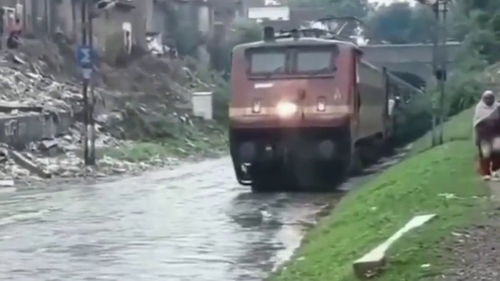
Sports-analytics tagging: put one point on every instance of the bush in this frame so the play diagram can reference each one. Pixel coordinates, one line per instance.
(465, 89)
(478, 22)
(413, 119)
(221, 103)
(495, 24)
(188, 41)
(485, 43)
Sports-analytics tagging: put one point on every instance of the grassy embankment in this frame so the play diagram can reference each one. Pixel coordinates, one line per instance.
(366, 217)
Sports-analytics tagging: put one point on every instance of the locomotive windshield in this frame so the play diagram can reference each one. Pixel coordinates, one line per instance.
(268, 61)
(292, 60)
(314, 61)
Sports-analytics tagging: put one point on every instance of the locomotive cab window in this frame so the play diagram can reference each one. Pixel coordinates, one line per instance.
(268, 61)
(316, 60)
(292, 61)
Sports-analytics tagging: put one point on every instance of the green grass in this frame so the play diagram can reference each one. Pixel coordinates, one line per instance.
(191, 142)
(370, 215)
(457, 128)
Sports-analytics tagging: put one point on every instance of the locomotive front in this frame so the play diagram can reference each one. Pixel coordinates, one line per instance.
(290, 111)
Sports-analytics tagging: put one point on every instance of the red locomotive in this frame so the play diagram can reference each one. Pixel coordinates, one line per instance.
(302, 108)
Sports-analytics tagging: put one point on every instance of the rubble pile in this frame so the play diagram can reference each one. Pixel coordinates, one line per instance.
(23, 84)
(148, 98)
(62, 158)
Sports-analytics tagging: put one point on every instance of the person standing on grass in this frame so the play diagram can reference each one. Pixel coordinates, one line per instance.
(486, 129)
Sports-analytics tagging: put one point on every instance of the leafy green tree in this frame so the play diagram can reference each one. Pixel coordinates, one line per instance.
(485, 43)
(495, 24)
(400, 23)
(477, 23)
(240, 32)
(357, 8)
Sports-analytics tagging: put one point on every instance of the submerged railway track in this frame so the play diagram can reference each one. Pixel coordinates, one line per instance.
(190, 223)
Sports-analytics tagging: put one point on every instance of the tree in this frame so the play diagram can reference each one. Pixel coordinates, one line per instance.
(357, 8)
(485, 43)
(495, 25)
(242, 31)
(400, 23)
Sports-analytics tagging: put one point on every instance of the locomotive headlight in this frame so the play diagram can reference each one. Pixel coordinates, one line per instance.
(256, 107)
(321, 104)
(286, 109)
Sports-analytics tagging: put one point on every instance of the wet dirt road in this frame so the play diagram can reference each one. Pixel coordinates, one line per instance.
(190, 223)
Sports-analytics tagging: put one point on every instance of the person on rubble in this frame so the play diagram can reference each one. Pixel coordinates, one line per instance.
(14, 39)
(487, 134)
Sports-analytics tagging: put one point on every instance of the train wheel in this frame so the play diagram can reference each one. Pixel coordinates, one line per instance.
(302, 174)
(267, 178)
(331, 175)
(264, 187)
(271, 184)
(259, 188)
(356, 165)
(317, 176)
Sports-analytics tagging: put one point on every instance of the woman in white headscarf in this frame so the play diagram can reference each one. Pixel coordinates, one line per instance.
(486, 125)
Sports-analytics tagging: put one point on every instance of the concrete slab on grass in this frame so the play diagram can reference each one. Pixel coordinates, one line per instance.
(373, 262)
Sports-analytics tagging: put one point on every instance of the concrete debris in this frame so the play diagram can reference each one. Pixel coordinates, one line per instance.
(26, 163)
(158, 90)
(26, 90)
(6, 183)
(372, 263)
(18, 60)
(48, 144)
(4, 155)
(62, 157)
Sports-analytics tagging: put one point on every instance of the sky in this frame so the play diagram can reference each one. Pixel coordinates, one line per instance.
(390, 1)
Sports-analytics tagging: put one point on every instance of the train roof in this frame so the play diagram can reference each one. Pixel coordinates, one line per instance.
(303, 41)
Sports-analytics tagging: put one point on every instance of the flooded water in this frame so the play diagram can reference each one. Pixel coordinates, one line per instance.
(191, 223)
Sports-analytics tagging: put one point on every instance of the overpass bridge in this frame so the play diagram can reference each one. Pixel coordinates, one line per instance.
(412, 61)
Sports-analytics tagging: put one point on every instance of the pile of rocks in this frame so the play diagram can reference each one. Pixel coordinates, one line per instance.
(149, 97)
(62, 158)
(25, 85)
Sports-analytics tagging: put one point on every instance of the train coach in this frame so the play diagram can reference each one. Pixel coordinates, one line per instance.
(304, 109)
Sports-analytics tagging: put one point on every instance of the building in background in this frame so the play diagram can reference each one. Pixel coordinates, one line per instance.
(186, 24)
(281, 15)
(266, 10)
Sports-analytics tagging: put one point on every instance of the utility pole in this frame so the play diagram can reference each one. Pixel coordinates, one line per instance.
(92, 156)
(435, 56)
(86, 60)
(441, 74)
(84, 19)
(440, 61)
